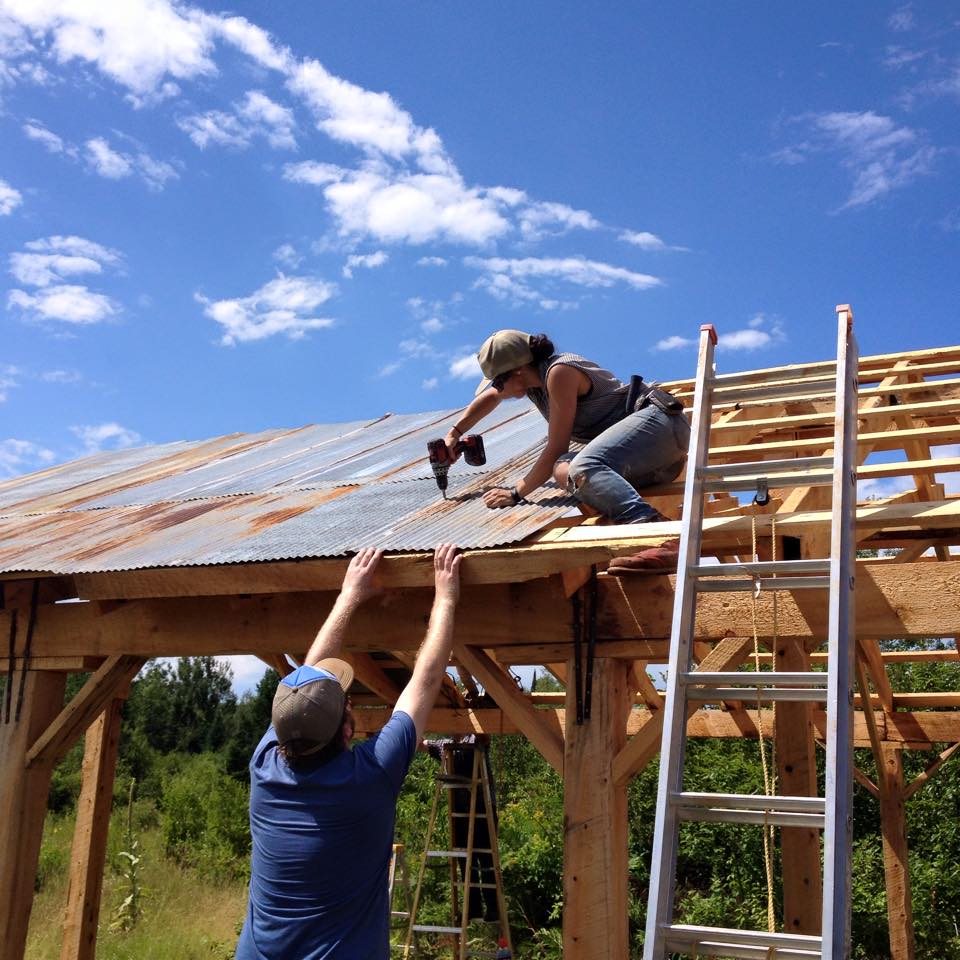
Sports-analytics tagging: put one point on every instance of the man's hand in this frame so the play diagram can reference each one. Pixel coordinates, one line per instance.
(360, 580)
(446, 571)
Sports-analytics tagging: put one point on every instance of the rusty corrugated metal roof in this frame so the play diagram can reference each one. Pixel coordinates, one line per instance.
(317, 491)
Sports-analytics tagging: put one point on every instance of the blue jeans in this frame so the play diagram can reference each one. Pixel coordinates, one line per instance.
(645, 448)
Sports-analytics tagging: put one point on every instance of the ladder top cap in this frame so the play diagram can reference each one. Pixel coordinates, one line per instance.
(711, 329)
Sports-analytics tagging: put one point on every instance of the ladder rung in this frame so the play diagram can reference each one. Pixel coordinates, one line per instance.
(720, 940)
(457, 853)
(820, 478)
(765, 583)
(766, 678)
(762, 568)
(428, 928)
(776, 818)
(399, 913)
(764, 469)
(750, 801)
(802, 388)
(716, 694)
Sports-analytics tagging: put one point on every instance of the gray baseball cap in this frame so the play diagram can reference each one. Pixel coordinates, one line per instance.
(308, 705)
(502, 352)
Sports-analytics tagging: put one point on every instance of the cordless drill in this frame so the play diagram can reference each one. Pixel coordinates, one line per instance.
(471, 446)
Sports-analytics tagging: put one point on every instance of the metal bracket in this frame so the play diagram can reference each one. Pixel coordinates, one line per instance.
(762, 496)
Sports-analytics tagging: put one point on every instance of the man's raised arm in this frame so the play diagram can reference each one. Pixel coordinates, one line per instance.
(359, 584)
(420, 693)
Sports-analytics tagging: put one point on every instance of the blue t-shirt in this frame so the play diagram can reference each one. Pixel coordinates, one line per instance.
(321, 850)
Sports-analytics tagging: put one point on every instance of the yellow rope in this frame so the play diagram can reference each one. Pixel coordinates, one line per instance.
(769, 780)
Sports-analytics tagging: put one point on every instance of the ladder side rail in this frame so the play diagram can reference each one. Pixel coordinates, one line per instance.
(437, 789)
(664, 855)
(468, 863)
(494, 835)
(839, 760)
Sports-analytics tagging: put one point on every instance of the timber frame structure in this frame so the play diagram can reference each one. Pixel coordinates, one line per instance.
(516, 609)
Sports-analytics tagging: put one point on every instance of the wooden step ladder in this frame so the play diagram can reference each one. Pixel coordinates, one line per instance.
(835, 574)
(476, 883)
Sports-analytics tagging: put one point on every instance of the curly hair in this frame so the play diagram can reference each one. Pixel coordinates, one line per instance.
(541, 346)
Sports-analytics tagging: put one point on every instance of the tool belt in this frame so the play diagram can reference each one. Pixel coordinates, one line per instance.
(642, 394)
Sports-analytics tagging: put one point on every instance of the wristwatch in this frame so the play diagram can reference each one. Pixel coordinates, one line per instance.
(515, 493)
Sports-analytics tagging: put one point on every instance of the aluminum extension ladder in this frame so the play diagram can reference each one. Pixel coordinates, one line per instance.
(833, 812)
(475, 873)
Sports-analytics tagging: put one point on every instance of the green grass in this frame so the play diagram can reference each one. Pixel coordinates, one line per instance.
(186, 917)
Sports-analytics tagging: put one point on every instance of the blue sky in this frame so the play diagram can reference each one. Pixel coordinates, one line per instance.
(227, 219)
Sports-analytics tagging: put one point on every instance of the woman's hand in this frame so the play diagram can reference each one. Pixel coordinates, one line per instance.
(451, 440)
(499, 497)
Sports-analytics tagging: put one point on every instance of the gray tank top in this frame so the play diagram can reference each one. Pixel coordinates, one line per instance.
(602, 407)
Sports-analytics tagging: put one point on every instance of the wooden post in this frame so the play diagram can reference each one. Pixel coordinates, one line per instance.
(595, 925)
(90, 835)
(896, 866)
(797, 769)
(23, 803)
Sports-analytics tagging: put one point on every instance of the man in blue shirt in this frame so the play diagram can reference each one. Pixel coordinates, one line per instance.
(321, 813)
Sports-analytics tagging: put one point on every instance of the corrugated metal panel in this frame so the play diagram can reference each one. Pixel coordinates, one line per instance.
(320, 491)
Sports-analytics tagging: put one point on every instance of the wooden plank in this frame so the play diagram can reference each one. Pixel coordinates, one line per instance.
(539, 728)
(896, 863)
(277, 662)
(595, 915)
(52, 745)
(89, 852)
(924, 778)
(23, 806)
(64, 664)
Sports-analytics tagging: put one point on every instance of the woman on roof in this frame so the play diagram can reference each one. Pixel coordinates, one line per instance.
(585, 404)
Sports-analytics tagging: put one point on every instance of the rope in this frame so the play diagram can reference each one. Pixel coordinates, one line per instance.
(769, 780)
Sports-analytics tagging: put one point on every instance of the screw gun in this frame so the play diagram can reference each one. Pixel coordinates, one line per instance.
(471, 446)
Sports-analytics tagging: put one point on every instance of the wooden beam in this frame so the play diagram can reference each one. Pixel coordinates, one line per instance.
(645, 745)
(595, 915)
(52, 745)
(896, 863)
(277, 662)
(89, 852)
(369, 673)
(869, 650)
(23, 806)
(924, 778)
(538, 726)
(65, 664)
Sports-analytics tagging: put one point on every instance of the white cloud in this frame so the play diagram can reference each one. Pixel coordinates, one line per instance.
(432, 262)
(881, 155)
(393, 206)
(465, 367)
(105, 436)
(49, 264)
(70, 303)
(19, 456)
(674, 343)
(902, 19)
(61, 376)
(252, 40)
(10, 198)
(576, 270)
(255, 116)
(112, 165)
(649, 242)
(287, 255)
(43, 269)
(8, 380)
(538, 220)
(431, 325)
(367, 260)
(761, 331)
(51, 141)
(137, 43)
(431, 383)
(283, 305)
